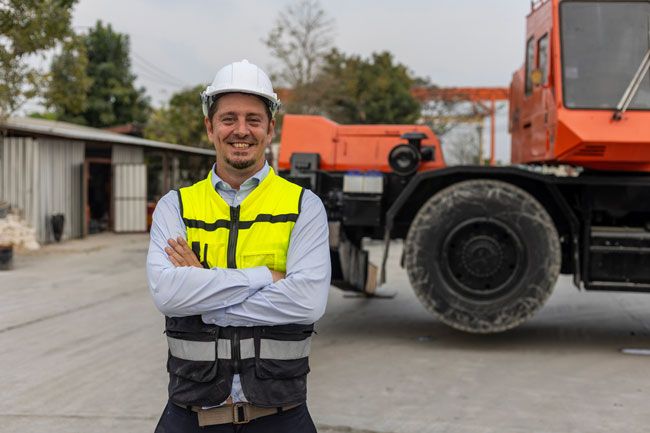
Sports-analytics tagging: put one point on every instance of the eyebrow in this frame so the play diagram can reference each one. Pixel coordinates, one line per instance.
(235, 113)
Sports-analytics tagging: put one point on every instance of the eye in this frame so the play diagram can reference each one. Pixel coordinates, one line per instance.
(255, 121)
(228, 120)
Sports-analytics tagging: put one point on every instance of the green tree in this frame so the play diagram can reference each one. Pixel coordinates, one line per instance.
(181, 121)
(377, 90)
(28, 27)
(111, 97)
(68, 71)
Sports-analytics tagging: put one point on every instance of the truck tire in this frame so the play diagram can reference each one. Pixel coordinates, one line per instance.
(483, 255)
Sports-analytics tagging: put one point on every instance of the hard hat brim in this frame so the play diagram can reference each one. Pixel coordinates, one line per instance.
(207, 98)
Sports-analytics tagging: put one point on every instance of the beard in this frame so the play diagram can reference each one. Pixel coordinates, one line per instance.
(240, 164)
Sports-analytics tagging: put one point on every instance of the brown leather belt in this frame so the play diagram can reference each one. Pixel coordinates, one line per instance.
(238, 413)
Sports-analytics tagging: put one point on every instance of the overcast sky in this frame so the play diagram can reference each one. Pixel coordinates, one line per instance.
(453, 42)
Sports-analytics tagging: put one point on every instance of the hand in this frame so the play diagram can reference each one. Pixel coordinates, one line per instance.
(277, 276)
(180, 254)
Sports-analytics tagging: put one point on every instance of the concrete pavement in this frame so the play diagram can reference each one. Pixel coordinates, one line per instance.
(83, 350)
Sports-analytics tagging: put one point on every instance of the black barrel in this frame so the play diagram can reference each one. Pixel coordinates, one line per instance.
(4, 208)
(6, 257)
(58, 223)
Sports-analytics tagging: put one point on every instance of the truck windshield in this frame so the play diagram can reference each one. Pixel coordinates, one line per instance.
(603, 44)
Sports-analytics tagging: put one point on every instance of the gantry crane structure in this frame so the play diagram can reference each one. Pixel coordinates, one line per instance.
(483, 100)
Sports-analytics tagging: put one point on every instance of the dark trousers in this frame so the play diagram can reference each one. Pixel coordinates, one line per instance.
(175, 419)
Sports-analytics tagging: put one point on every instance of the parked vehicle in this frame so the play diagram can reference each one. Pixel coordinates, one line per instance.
(483, 246)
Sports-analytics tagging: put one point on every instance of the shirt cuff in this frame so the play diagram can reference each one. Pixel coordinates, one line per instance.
(258, 277)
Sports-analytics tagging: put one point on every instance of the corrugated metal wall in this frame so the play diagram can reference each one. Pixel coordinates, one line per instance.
(61, 189)
(43, 177)
(127, 155)
(19, 184)
(129, 189)
(130, 192)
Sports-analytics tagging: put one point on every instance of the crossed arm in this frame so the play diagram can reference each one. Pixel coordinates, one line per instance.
(180, 254)
(240, 297)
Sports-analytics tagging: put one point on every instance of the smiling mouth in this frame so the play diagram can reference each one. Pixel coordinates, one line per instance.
(241, 145)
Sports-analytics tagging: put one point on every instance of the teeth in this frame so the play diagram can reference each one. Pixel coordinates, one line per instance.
(241, 145)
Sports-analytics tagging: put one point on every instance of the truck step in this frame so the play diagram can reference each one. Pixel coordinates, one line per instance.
(617, 286)
(618, 259)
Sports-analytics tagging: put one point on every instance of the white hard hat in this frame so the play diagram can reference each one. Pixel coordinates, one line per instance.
(241, 77)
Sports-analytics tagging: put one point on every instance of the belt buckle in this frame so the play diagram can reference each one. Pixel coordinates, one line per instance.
(237, 410)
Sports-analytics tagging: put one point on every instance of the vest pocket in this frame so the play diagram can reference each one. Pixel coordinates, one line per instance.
(214, 255)
(252, 260)
(193, 370)
(191, 359)
(282, 353)
(274, 369)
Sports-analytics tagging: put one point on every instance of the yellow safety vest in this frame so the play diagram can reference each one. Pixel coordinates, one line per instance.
(256, 233)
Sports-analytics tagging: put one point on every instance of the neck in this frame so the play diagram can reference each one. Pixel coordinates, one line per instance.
(235, 177)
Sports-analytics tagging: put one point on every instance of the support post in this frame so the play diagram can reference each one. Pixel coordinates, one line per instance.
(492, 129)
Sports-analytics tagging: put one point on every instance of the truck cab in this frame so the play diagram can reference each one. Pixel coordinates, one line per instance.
(581, 60)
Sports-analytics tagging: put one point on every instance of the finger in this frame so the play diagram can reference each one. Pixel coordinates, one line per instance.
(183, 253)
(170, 252)
(174, 262)
(187, 253)
(182, 245)
(175, 257)
(184, 250)
(180, 250)
(172, 244)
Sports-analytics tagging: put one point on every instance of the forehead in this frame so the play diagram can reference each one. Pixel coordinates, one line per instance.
(240, 102)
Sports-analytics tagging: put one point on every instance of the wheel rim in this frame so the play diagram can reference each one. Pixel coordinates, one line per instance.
(483, 259)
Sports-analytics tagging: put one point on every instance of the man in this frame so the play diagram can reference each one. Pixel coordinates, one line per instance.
(239, 265)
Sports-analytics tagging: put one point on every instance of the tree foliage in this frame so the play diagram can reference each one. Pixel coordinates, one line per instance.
(462, 147)
(440, 116)
(300, 38)
(111, 97)
(27, 27)
(375, 90)
(181, 121)
(67, 72)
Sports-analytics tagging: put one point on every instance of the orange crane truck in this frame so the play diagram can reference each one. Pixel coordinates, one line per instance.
(483, 246)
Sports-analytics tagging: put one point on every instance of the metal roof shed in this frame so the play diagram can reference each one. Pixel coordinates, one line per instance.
(49, 168)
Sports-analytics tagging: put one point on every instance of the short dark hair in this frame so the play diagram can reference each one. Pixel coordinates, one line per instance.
(215, 99)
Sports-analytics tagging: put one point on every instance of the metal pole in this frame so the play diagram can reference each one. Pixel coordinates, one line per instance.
(492, 129)
(165, 169)
(479, 130)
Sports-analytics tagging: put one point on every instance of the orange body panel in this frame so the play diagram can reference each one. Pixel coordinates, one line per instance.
(545, 131)
(349, 147)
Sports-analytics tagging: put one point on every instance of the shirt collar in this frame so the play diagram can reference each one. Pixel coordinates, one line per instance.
(251, 182)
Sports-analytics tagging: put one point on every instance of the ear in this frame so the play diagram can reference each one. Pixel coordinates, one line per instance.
(271, 131)
(208, 126)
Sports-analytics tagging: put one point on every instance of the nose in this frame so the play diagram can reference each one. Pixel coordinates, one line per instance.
(241, 129)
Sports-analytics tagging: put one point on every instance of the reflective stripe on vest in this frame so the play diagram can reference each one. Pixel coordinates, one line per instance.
(256, 233)
(269, 349)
